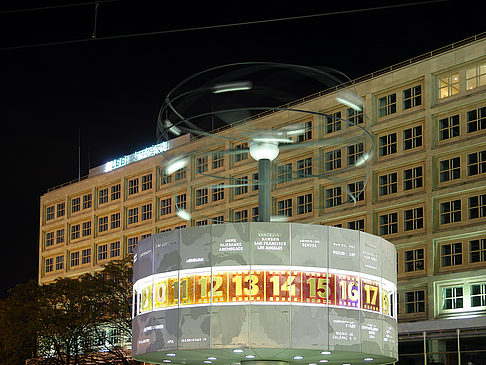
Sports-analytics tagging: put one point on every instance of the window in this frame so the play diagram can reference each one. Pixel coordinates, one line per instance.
(333, 160)
(76, 205)
(358, 225)
(50, 213)
(49, 264)
(356, 191)
(217, 220)
(146, 212)
(333, 197)
(218, 192)
(476, 163)
(102, 252)
(478, 295)
(412, 97)
(449, 127)
(241, 185)
(387, 145)
(388, 184)
(284, 173)
(450, 211)
(413, 219)
(354, 116)
(147, 182)
(387, 105)
(86, 229)
(86, 256)
(304, 204)
(202, 164)
(114, 249)
(388, 223)
(451, 254)
(165, 178)
(241, 156)
(132, 215)
(304, 167)
(180, 202)
(49, 239)
(60, 236)
(448, 85)
(133, 186)
(203, 222)
(475, 77)
(75, 232)
(414, 260)
(60, 211)
(477, 206)
(333, 122)
(476, 120)
(450, 169)
(165, 206)
(477, 250)
(180, 174)
(284, 208)
(201, 196)
(87, 201)
(103, 196)
(452, 297)
(415, 301)
(131, 244)
(254, 178)
(307, 135)
(115, 192)
(354, 153)
(412, 178)
(103, 224)
(59, 262)
(115, 221)
(241, 215)
(74, 259)
(412, 137)
(217, 160)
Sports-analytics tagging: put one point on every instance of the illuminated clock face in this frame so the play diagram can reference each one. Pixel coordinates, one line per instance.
(270, 285)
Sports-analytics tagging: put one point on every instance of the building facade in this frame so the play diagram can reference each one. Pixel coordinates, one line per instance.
(426, 193)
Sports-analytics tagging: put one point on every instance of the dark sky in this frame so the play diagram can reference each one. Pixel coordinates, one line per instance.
(111, 89)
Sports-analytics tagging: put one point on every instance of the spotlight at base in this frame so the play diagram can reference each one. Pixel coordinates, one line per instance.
(298, 357)
(325, 352)
(237, 350)
(368, 359)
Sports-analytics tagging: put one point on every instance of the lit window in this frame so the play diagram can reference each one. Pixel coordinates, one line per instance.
(452, 297)
(387, 105)
(450, 212)
(476, 119)
(450, 169)
(387, 145)
(412, 97)
(414, 260)
(449, 127)
(476, 77)
(448, 85)
(415, 301)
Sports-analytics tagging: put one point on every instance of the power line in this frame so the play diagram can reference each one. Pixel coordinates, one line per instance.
(26, 10)
(220, 26)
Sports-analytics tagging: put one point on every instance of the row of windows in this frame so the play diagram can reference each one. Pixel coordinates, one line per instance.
(404, 220)
(453, 83)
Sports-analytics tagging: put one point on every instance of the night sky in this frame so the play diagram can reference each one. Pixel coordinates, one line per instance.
(108, 91)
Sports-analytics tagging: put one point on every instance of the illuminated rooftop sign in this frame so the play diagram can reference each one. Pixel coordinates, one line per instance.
(136, 156)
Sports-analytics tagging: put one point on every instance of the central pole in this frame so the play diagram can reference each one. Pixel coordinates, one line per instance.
(264, 197)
